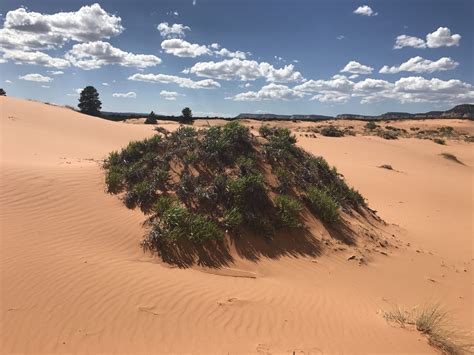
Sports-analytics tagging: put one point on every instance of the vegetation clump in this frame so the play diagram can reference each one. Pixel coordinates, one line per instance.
(332, 131)
(198, 185)
(89, 102)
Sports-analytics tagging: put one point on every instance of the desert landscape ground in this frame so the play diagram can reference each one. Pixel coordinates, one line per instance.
(74, 278)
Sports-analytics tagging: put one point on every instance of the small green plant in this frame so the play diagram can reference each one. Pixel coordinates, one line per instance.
(288, 211)
(323, 205)
(371, 125)
(232, 218)
(332, 131)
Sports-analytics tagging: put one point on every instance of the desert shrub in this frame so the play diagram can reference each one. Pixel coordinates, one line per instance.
(281, 144)
(439, 141)
(284, 179)
(265, 131)
(194, 184)
(162, 130)
(323, 204)
(232, 218)
(288, 210)
(114, 179)
(332, 131)
(371, 125)
(246, 164)
(388, 135)
(143, 195)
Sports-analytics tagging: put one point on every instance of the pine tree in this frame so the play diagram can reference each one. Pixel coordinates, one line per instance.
(89, 102)
(187, 116)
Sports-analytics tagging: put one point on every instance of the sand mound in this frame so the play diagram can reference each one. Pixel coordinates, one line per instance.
(74, 279)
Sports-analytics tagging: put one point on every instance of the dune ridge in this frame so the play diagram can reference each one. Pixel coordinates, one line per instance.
(74, 278)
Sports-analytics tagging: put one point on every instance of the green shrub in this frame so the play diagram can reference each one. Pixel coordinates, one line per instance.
(323, 205)
(265, 131)
(163, 203)
(151, 119)
(114, 179)
(370, 125)
(143, 195)
(332, 131)
(232, 218)
(288, 210)
(284, 179)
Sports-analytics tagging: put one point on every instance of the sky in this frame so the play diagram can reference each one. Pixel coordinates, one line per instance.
(225, 57)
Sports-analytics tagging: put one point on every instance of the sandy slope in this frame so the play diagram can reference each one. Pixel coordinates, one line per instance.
(74, 279)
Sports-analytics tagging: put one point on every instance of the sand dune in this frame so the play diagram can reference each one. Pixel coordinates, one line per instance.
(74, 278)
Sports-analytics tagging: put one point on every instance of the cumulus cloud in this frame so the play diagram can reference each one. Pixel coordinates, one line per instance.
(409, 41)
(442, 37)
(421, 65)
(182, 48)
(337, 89)
(365, 10)
(173, 79)
(35, 77)
(224, 52)
(55, 72)
(36, 58)
(27, 30)
(128, 95)
(245, 70)
(271, 91)
(354, 67)
(176, 30)
(93, 55)
(170, 95)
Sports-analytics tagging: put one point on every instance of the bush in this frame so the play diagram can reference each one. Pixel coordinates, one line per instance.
(288, 210)
(439, 141)
(332, 131)
(388, 135)
(371, 125)
(323, 205)
(232, 218)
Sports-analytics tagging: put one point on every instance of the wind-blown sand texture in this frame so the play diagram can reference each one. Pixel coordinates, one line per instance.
(74, 279)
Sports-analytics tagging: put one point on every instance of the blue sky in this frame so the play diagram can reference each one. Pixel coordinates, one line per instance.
(230, 56)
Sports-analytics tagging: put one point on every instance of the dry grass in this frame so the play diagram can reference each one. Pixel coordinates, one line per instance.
(434, 323)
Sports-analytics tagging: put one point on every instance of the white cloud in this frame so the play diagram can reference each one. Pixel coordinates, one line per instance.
(128, 95)
(36, 77)
(409, 41)
(440, 38)
(338, 89)
(354, 67)
(105, 84)
(26, 30)
(340, 37)
(365, 10)
(245, 70)
(2, 60)
(93, 55)
(176, 30)
(45, 86)
(55, 72)
(170, 95)
(421, 65)
(8, 81)
(36, 58)
(172, 79)
(353, 76)
(271, 91)
(224, 52)
(182, 48)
